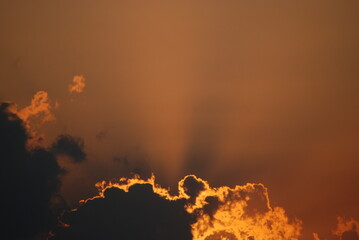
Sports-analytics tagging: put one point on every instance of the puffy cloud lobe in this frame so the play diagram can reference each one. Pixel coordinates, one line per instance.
(240, 213)
(77, 85)
(29, 180)
(70, 146)
(141, 209)
(192, 187)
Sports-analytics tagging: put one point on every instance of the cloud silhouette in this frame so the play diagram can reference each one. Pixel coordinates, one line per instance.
(29, 178)
(140, 209)
(139, 213)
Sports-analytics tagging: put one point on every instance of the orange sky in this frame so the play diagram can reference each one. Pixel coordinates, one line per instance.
(233, 91)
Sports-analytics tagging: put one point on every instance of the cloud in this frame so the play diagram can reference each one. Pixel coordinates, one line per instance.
(77, 85)
(347, 229)
(315, 236)
(242, 212)
(34, 115)
(70, 146)
(135, 213)
(141, 209)
(29, 178)
(192, 187)
(40, 107)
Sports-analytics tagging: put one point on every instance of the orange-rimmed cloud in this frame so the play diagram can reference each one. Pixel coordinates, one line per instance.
(40, 107)
(34, 115)
(242, 212)
(77, 85)
(239, 213)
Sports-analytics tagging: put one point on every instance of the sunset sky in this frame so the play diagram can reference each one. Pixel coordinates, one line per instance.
(232, 91)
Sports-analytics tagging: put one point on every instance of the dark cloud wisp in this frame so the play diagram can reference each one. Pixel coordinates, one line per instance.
(70, 146)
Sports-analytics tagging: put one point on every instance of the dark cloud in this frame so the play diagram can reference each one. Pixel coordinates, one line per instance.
(137, 214)
(70, 146)
(29, 178)
(101, 135)
(193, 187)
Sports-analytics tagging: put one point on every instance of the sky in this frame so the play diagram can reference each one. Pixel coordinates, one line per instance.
(234, 92)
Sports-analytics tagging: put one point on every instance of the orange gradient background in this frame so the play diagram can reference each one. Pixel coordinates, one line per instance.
(232, 91)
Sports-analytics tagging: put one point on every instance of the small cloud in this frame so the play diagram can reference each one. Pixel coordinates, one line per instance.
(316, 236)
(39, 107)
(101, 135)
(70, 146)
(77, 85)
